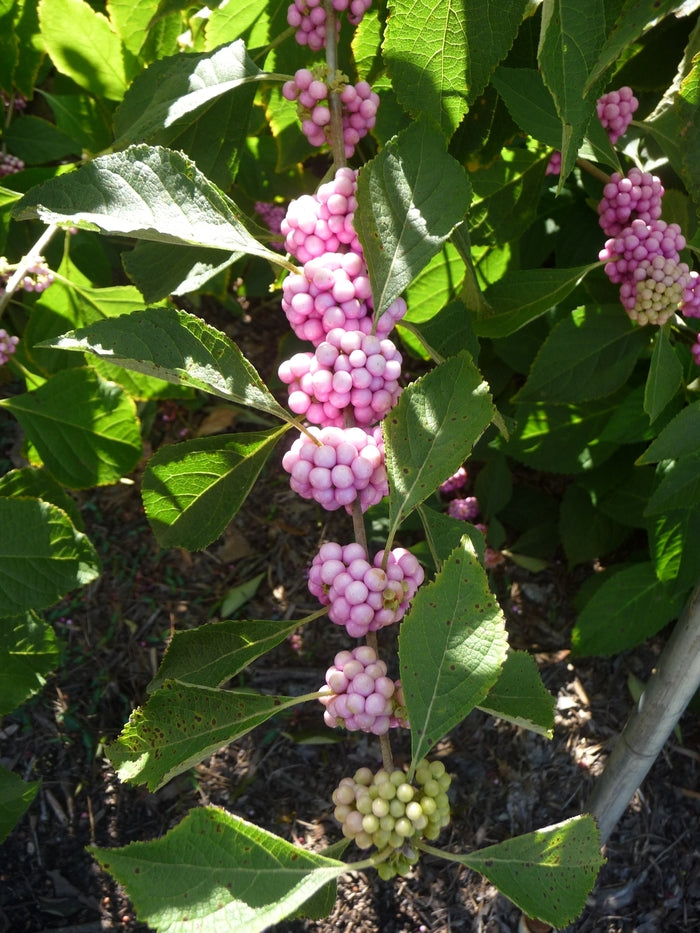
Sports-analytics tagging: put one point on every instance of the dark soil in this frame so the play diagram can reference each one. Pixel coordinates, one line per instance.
(506, 781)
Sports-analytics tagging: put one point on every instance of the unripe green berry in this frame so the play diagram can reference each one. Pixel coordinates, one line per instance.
(397, 777)
(395, 841)
(442, 802)
(387, 790)
(386, 871)
(370, 824)
(341, 812)
(363, 776)
(404, 827)
(437, 768)
(381, 776)
(380, 807)
(414, 811)
(420, 823)
(396, 808)
(387, 823)
(363, 841)
(431, 788)
(364, 804)
(344, 793)
(405, 792)
(431, 832)
(381, 839)
(428, 805)
(444, 781)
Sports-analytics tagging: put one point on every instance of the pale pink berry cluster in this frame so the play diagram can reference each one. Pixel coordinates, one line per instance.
(37, 277)
(359, 696)
(272, 216)
(454, 482)
(385, 811)
(465, 509)
(344, 465)
(8, 345)
(615, 110)
(323, 222)
(364, 597)
(9, 164)
(554, 164)
(634, 196)
(308, 17)
(349, 369)
(310, 89)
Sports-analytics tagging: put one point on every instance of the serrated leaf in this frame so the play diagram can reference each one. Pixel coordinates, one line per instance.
(15, 796)
(665, 376)
(180, 724)
(84, 429)
(213, 653)
(35, 483)
(678, 439)
(586, 356)
(549, 873)
(624, 611)
(162, 269)
(520, 697)
(177, 347)
(147, 192)
(440, 55)
(179, 86)
(452, 647)
(42, 556)
(83, 46)
(430, 432)
(521, 296)
(410, 198)
(192, 490)
(217, 872)
(529, 103)
(29, 651)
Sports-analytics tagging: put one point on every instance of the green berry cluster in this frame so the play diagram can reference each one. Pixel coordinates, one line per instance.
(385, 811)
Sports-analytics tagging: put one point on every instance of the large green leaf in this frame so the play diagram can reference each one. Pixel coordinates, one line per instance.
(673, 538)
(181, 724)
(29, 650)
(36, 483)
(192, 490)
(440, 55)
(15, 796)
(548, 874)
(42, 556)
(506, 197)
(84, 429)
(679, 487)
(147, 192)
(665, 376)
(410, 198)
(452, 646)
(431, 431)
(520, 697)
(588, 355)
(530, 103)
(215, 652)
(625, 610)
(216, 872)
(177, 347)
(521, 296)
(83, 46)
(162, 269)
(678, 439)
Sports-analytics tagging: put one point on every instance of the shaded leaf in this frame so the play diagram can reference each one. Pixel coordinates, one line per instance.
(15, 796)
(520, 697)
(29, 651)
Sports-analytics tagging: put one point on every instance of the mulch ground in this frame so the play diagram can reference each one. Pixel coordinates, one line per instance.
(506, 780)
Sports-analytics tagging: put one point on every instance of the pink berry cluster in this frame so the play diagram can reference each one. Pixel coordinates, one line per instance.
(359, 696)
(636, 195)
(37, 277)
(364, 597)
(339, 466)
(348, 369)
(310, 89)
(9, 164)
(272, 216)
(308, 17)
(615, 110)
(385, 811)
(323, 222)
(8, 345)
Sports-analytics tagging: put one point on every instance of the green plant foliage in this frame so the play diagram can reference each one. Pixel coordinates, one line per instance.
(239, 877)
(452, 647)
(29, 646)
(519, 688)
(15, 796)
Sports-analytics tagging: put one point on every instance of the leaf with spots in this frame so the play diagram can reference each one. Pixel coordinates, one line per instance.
(216, 872)
(181, 724)
(431, 431)
(548, 874)
(452, 647)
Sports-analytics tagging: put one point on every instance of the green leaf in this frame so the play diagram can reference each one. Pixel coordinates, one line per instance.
(177, 347)
(665, 376)
(84, 429)
(452, 646)
(521, 296)
(444, 533)
(586, 533)
(548, 874)
(624, 611)
(82, 118)
(529, 103)
(410, 198)
(678, 439)
(15, 796)
(232, 20)
(162, 269)
(181, 724)
(435, 285)
(520, 697)
(680, 486)
(82, 45)
(42, 556)
(431, 431)
(213, 653)
(147, 192)
(192, 490)
(29, 651)
(215, 871)
(494, 485)
(673, 549)
(586, 356)
(36, 141)
(506, 196)
(239, 595)
(440, 55)
(35, 483)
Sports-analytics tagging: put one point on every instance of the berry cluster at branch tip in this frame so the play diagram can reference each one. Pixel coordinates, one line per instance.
(615, 110)
(308, 17)
(385, 811)
(9, 164)
(359, 696)
(37, 276)
(634, 196)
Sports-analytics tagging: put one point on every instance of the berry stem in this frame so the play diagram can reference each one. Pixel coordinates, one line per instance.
(593, 170)
(334, 103)
(15, 280)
